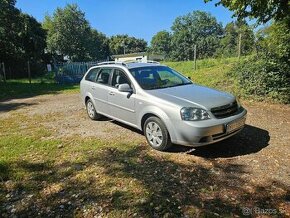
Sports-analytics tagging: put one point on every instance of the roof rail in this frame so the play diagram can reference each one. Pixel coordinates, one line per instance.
(112, 62)
(125, 63)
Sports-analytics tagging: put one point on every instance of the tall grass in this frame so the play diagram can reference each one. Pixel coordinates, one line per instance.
(38, 86)
(209, 72)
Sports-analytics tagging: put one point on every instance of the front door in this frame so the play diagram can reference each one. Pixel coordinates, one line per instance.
(122, 104)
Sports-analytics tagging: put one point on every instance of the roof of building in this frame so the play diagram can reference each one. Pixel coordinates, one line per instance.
(130, 55)
(136, 65)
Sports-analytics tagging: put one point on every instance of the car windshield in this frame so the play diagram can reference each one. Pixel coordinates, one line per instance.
(158, 77)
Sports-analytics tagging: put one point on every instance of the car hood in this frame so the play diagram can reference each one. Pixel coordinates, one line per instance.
(193, 95)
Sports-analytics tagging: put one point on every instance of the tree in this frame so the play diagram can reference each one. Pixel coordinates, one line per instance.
(33, 37)
(196, 28)
(161, 43)
(99, 46)
(10, 27)
(263, 11)
(21, 39)
(233, 32)
(68, 33)
(275, 40)
(131, 44)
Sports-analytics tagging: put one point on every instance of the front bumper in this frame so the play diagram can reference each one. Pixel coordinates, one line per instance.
(195, 134)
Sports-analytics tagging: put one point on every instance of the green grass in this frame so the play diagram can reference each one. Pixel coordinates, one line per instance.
(38, 86)
(209, 72)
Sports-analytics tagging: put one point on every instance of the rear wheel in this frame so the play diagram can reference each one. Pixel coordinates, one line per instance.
(157, 134)
(92, 113)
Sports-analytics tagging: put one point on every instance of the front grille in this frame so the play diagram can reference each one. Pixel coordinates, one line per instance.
(225, 110)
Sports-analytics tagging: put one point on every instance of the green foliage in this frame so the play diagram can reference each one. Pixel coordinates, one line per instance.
(9, 29)
(68, 33)
(275, 40)
(131, 44)
(267, 74)
(263, 11)
(161, 43)
(34, 37)
(21, 39)
(264, 77)
(99, 46)
(229, 43)
(196, 28)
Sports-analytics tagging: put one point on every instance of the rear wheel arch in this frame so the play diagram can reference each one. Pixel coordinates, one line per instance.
(91, 110)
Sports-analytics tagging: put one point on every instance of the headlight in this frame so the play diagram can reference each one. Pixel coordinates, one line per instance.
(194, 114)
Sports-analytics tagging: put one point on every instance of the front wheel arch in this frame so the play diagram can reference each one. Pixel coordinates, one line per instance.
(165, 137)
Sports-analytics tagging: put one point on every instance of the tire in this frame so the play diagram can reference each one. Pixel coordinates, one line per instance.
(157, 134)
(92, 113)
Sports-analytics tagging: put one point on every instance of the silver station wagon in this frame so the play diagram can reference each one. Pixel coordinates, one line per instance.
(167, 106)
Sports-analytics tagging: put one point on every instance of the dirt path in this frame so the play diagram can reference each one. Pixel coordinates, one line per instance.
(260, 154)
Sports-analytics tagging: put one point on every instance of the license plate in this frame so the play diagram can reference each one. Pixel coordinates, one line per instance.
(235, 125)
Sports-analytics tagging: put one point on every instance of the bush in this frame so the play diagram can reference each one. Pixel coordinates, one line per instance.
(264, 77)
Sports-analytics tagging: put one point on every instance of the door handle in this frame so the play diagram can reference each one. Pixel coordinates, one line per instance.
(93, 88)
(111, 93)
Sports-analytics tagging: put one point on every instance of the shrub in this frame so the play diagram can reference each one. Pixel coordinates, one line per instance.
(264, 77)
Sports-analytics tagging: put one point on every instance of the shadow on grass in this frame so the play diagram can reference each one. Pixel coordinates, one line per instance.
(12, 90)
(124, 182)
(13, 106)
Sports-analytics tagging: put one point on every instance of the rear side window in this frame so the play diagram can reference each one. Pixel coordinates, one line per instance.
(104, 76)
(91, 76)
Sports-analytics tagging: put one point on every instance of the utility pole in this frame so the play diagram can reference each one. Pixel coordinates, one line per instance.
(29, 73)
(239, 45)
(124, 47)
(4, 73)
(194, 56)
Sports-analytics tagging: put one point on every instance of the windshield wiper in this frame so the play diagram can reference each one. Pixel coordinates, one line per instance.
(181, 84)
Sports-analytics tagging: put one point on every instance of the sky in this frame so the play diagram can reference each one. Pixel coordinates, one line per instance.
(141, 19)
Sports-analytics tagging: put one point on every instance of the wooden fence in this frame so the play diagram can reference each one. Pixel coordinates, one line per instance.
(72, 72)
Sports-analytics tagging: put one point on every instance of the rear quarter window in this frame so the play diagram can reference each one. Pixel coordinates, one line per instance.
(91, 76)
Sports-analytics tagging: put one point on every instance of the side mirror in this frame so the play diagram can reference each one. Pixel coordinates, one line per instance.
(124, 88)
(189, 77)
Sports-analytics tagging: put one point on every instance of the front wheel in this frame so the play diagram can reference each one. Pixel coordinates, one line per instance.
(92, 113)
(157, 134)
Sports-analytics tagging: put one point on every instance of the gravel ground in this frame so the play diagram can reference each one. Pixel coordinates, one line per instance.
(262, 148)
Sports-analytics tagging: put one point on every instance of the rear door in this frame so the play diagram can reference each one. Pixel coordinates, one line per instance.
(122, 104)
(88, 82)
(100, 90)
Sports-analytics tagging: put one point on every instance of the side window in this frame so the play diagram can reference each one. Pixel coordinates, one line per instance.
(104, 76)
(91, 76)
(119, 77)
